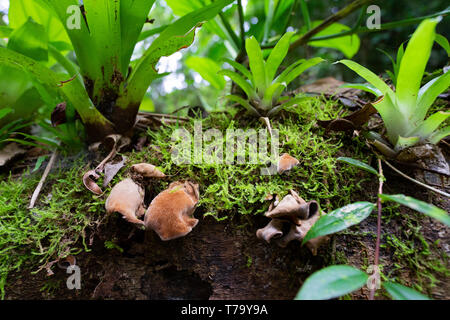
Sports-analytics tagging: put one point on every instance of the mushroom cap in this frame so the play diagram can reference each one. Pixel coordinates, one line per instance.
(294, 209)
(286, 163)
(126, 198)
(170, 214)
(273, 230)
(147, 170)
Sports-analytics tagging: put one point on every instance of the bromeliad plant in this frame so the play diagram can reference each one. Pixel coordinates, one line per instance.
(260, 84)
(404, 111)
(107, 88)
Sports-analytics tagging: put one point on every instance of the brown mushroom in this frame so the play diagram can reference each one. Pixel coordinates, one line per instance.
(147, 170)
(127, 198)
(286, 163)
(273, 230)
(170, 214)
(293, 208)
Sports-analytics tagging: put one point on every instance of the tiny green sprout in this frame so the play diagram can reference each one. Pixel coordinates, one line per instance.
(404, 111)
(261, 85)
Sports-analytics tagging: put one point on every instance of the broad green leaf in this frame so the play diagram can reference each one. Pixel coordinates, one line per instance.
(208, 69)
(175, 37)
(368, 76)
(439, 135)
(73, 90)
(288, 70)
(297, 71)
(431, 124)
(4, 112)
(21, 10)
(5, 31)
(272, 93)
(348, 45)
(422, 207)
(358, 164)
(243, 103)
(81, 40)
(133, 14)
(429, 93)
(31, 40)
(443, 42)
(399, 292)
(413, 65)
(240, 81)
(277, 56)
(405, 142)
(332, 282)
(103, 19)
(364, 87)
(257, 64)
(393, 119)
(240, 68)
(339, 219)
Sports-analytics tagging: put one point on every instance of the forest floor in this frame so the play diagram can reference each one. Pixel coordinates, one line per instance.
(222, 257)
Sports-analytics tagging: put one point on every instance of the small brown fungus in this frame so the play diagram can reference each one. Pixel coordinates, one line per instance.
(147, 170)
(127, 198)
(170, 214)
(286, 163)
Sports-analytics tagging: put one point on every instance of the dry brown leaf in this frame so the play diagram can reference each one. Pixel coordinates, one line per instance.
(9, 152)
(147, 170)
(112, 168)
(351, 122)
(89, 181)
(286, 163)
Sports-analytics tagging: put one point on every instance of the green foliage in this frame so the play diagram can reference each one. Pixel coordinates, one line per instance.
(262, 88)
(399, 292)
(359, 164)
(423, 207)
(332, 282)
(404, 110)
(340, 219)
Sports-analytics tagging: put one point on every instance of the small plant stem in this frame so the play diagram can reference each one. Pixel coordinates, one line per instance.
(230, 31)
(241, 23)
(37, 191)
(305, 13)
(445, 194)
(379, 205)
(355, 5)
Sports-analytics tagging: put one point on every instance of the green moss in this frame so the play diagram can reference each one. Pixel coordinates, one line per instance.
(55, 228)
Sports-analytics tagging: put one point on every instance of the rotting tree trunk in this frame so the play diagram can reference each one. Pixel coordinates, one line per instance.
(217, 260)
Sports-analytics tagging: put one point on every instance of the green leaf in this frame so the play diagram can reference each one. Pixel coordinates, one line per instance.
(422, 207)
(240, 81)
(297, 71)
(429, 93)
(358, 164)
(405, 142)
(431, 124)
(4, 112)
(133, 14)
(272, 93)
(208, 69)
(399, 292)
(364, 87)
(243, 103)
(240, 68)
(257, 64)
(443, 42)
(5, 31)
(413, 65)
(39, 162)
(368, 76)
(339, 219)
(287, 104)
(332, 282)
(177, 36)
(277, 56)
(31, 40)
(439, 135)
(289, 69)
(348, 45)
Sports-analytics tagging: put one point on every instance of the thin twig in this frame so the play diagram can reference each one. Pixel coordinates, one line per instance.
(445, 194)
(377, 246)
(43, 178)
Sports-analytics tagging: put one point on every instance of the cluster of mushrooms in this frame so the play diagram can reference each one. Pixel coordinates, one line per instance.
(170, 214)
(292, 217)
